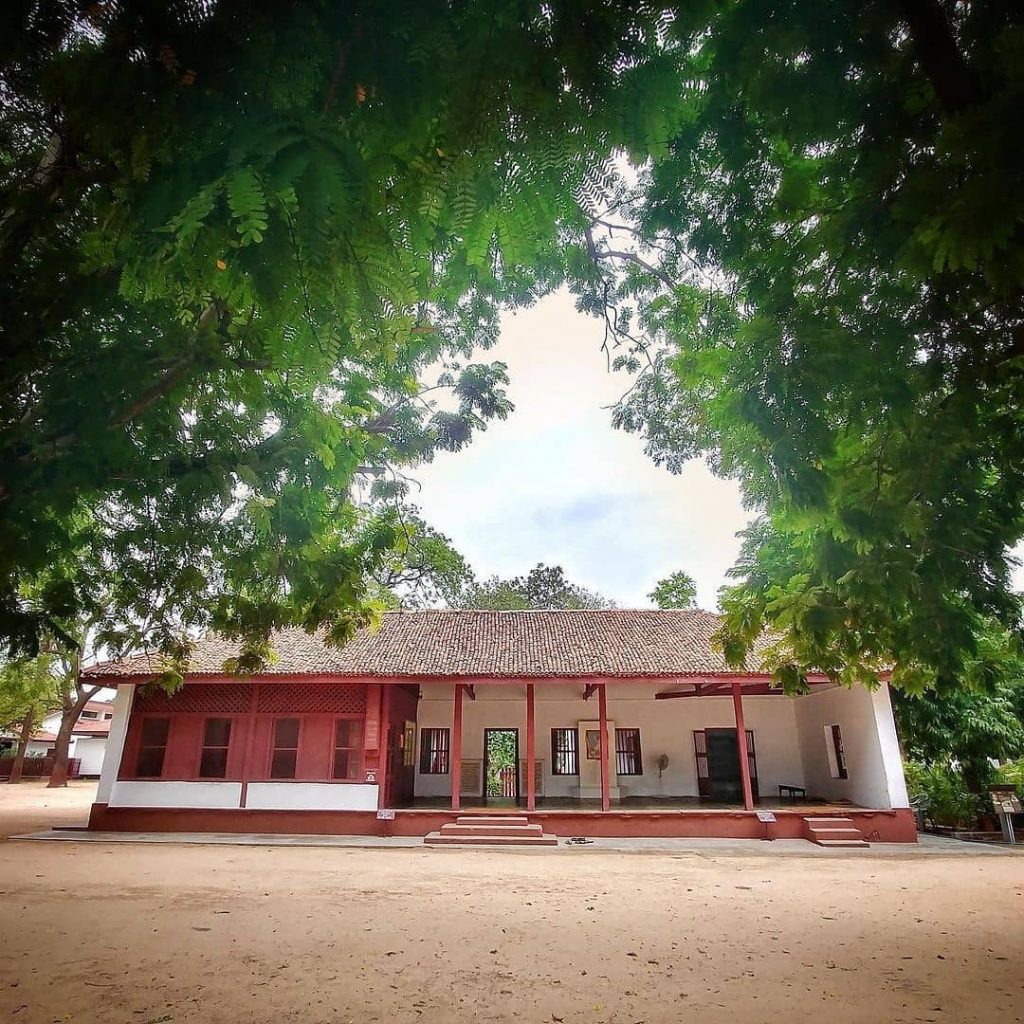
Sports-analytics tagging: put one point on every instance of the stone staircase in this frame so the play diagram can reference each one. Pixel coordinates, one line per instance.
(491, 830)
(834, 832)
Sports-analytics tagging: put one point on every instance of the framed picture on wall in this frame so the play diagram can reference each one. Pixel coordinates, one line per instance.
(593, 744)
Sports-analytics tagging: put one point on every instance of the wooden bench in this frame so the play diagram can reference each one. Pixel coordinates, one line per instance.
(792, 792)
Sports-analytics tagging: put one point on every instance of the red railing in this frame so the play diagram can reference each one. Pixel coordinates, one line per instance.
(38, 767)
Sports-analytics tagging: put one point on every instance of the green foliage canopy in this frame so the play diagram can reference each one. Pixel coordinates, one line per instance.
(966, 726)
(676, 591)
(543, 587)
(819, 283)
(233, 238)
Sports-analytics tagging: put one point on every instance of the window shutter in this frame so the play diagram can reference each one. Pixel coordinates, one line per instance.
(538, 777)
(752, 762)
(471, 778)
(700, 749)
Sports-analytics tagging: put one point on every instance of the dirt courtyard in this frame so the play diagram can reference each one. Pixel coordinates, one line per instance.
(147, 934)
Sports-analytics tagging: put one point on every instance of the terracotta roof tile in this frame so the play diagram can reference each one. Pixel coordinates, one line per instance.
(484, 643)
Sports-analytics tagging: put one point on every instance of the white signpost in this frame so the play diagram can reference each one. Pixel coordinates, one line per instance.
(767, 817)
(1007, 804)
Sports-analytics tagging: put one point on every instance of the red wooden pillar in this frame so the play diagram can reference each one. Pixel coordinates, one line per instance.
(602, 711)
(741, 746)
(531, 752)
(249, 761)
(385, 739)
(371, 733)
(456, 752)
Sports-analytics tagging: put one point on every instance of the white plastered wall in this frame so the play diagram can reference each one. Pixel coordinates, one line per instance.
(311, 796)
(874, 767)
(221, 795)
(115, 742)
(90, 751)
(666, 727)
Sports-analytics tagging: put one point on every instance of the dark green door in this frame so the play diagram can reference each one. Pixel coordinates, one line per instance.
(724, 766)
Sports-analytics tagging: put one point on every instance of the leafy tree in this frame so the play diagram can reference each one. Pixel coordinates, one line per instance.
(233, 239)
(819, 284)
(544, 586)
(964, 727)
(676, 591)
(27, 691)
(423, 569)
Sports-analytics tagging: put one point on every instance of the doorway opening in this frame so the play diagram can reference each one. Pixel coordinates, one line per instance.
(718, 765)
(501, 767)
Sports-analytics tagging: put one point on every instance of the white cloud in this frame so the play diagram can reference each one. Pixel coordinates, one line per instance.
(556, 484)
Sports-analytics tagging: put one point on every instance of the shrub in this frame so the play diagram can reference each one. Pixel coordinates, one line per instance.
(941, 792)
(1012, 774)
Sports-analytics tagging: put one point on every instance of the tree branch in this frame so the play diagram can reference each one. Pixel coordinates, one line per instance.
(940, 57)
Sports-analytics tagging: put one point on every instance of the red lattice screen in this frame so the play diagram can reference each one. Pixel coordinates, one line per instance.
(312, 698)
(205, 698)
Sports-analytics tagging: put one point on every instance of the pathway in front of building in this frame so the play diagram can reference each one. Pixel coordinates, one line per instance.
(927, 846)
(107, 933)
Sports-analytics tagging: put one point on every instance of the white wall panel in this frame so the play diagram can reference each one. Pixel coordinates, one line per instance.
(176, 794)
(310, 796)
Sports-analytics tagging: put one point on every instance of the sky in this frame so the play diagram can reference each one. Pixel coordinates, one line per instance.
(555, 483)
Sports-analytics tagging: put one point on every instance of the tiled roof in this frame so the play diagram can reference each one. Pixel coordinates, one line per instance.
(483, 643)
(43, 737)
(87, 727)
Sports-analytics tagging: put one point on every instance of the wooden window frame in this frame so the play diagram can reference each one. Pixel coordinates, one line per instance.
(626, 755)
(274, 748)
(835, 733)
(203, 746)
(355, 751)
(142, 746)
(430, 754)
(570, 751)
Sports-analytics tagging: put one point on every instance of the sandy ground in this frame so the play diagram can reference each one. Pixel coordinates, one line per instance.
(154, 934)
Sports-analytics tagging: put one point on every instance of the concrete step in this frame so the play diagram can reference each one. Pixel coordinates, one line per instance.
(492, 819)
(851, 844)
(458, 829)
(837, 833)
(491, 839)
(833, 832)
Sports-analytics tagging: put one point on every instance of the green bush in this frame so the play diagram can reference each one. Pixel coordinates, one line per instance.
(1012, 774)
(942, 794)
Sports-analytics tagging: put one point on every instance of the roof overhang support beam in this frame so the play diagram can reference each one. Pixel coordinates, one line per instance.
(590, 689)
(469, 689)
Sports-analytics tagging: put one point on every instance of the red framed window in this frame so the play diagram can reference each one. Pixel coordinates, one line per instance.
(628, 759)
(213, 762)
(149, 764)
(284, 754)
(565, 752)
(348, 735)
(434, 751)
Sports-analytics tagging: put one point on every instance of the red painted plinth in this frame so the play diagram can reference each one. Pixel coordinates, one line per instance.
(877, 826)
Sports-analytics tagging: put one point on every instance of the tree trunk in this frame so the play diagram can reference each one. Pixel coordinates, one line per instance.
(26, 734)
(59, 772)
(69, 719)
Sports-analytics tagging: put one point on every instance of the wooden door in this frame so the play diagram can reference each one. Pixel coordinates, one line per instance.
(718, 764)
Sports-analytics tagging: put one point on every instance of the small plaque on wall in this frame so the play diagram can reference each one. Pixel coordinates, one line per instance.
(385, 815)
